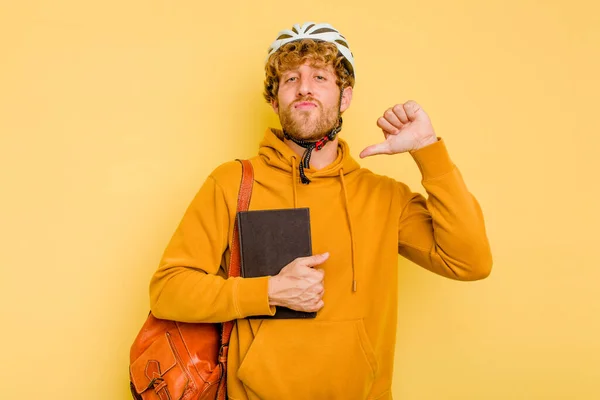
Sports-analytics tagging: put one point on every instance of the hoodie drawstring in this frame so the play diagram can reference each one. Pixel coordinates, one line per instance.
(354, 284)
(294, 180)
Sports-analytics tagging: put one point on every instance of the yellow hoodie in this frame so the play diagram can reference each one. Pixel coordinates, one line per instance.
(364, 221)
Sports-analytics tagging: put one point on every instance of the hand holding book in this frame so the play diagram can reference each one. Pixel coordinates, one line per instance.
(299, 286)
(277, 243)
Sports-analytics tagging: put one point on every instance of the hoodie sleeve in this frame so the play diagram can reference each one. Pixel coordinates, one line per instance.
(190, 285)
(444, 233)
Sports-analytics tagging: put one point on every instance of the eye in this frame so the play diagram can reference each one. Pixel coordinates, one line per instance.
(320, 77)
(292, 79)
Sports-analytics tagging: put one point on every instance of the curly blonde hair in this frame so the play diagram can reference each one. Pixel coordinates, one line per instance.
(296, 53)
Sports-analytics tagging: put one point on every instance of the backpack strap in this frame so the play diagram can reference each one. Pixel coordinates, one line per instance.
(244, 195)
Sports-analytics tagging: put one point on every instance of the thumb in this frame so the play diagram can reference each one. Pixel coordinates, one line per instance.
(379, 148)
(315, 260)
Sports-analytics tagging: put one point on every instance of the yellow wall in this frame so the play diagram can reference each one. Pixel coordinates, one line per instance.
(112, 114)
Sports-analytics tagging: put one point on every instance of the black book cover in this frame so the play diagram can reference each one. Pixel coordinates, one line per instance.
(271, 239)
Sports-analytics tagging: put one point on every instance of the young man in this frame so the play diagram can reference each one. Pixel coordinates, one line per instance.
(360, 222)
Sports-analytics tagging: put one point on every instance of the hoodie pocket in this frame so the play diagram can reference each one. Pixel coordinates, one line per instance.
(309, 359)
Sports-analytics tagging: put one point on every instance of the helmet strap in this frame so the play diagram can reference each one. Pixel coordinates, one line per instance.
(315, 145)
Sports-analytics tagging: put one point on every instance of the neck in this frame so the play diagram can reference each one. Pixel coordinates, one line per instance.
(319, 159)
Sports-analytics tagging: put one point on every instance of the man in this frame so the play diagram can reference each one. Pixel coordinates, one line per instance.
(360, 222)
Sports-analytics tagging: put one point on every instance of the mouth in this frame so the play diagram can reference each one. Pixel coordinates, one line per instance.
(305, 105)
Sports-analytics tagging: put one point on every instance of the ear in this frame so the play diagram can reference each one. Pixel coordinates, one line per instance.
(346, 99)
(275, 106)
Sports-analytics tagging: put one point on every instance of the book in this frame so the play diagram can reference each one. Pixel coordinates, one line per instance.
(271, 239)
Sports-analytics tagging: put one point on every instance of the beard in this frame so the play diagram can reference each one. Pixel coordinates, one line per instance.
(308, 125)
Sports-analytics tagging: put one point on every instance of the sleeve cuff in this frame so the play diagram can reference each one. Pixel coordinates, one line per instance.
(433, 160)
(253, 297)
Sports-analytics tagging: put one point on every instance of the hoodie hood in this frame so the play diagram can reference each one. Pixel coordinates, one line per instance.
(279, 155)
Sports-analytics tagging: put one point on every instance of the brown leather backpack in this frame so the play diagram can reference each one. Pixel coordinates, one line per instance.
(172, 360)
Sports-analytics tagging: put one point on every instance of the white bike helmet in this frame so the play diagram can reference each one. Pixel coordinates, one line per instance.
(318, 32)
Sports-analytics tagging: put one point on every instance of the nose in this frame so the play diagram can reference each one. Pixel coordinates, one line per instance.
(305, 87)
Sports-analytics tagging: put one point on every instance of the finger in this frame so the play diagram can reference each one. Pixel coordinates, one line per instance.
(315, 275)
(319, 305)
(391, 117)
(412, 109)
(401, 113)
(313, 261)
(319, 289)
(321, 293)
(386, 127)
(380, 148)
(320, 272)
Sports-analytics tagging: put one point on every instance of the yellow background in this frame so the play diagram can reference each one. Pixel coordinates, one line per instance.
(112, 114)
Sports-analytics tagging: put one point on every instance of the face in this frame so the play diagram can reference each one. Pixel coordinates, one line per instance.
(308, 101)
